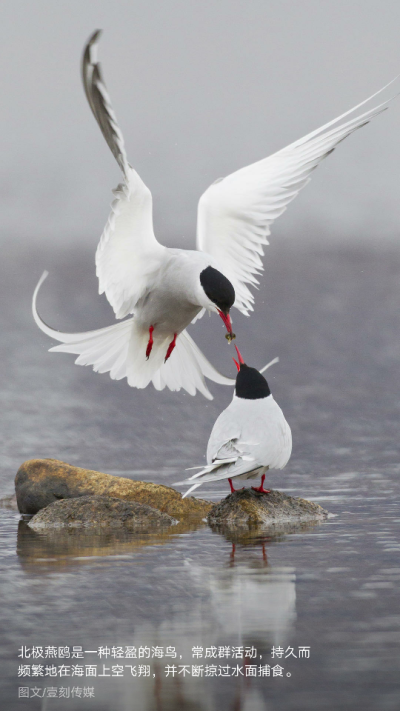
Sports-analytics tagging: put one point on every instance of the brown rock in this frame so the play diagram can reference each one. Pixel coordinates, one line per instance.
(249, 508)
(101, 512)
(40, 482)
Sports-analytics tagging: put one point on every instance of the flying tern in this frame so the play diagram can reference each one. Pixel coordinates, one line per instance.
(166, 289)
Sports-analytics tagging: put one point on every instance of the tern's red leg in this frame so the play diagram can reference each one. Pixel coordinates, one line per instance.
(261, 489)
(150, 343)
(171, 347)
(232, 489)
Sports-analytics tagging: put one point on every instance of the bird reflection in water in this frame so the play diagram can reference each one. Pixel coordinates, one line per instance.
(244, 603)
(264, 554)
(229, 595)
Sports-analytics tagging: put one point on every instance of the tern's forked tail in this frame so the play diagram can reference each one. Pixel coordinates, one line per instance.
(121, 351)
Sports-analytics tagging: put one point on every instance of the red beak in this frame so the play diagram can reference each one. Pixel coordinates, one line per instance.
(227, 321)
(241, 361)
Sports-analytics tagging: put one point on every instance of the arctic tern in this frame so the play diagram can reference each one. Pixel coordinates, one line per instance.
(167, 289)
(249, 437)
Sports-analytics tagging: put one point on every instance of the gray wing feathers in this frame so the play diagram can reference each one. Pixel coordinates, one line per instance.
(100, 103)
(228, 461)
(227, 451)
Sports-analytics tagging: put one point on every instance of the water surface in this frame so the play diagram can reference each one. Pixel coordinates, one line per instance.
(333, 318)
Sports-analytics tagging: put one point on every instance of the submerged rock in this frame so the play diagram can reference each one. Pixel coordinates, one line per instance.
(102, 512)
(40, 482)
(247, 507)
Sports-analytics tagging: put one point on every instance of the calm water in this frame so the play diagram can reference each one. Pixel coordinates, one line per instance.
(333, 318)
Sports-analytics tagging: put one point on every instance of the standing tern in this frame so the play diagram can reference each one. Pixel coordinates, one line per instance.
(250, 436)
(166, 289)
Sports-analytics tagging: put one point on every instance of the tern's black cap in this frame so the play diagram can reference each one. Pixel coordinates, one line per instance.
(218, 289)
(250, 384)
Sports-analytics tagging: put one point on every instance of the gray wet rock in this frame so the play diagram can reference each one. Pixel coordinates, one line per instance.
(101, 512)
(249, 508)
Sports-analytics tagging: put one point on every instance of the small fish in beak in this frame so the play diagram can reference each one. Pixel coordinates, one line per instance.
(228, 325)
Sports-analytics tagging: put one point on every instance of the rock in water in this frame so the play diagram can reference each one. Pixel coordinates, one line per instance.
(247, 507)
(40, 482)
(102, 512)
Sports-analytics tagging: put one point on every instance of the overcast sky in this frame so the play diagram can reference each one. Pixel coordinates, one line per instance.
(200, 89)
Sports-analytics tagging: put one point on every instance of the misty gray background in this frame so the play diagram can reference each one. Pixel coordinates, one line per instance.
(200, 89)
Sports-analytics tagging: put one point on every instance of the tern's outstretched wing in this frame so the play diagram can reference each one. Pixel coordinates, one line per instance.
(128, 254)
(235, 213)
